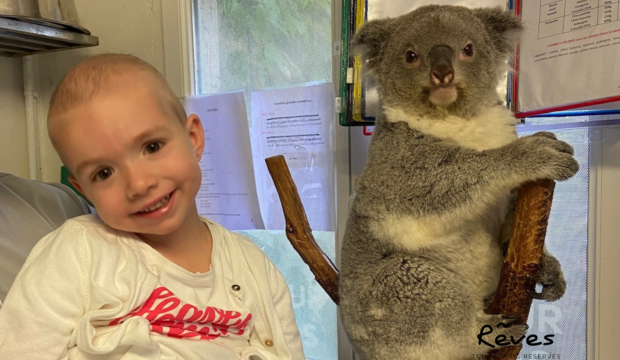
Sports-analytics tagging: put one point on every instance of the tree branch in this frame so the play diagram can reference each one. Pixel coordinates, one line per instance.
(298, 229)
(520, 266)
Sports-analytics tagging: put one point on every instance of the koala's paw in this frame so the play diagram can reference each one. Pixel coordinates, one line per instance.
(494, 326)
(551, 278)
(549, 135)
(545, 157)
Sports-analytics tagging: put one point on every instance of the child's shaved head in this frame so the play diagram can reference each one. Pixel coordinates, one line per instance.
(98, 75)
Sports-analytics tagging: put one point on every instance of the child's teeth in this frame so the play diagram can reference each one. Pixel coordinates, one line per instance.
(163, 202)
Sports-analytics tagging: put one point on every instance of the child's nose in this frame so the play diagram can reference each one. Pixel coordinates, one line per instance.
(139, 181)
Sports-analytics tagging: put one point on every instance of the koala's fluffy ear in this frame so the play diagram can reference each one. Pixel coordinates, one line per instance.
(371, 39)
(503, 27)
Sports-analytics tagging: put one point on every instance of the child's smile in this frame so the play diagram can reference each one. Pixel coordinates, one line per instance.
(158, 209)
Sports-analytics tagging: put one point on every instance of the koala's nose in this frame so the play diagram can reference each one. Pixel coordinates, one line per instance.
(442, 72)
(442, 75)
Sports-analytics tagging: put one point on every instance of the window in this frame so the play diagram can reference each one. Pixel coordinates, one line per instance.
(273, 44)
(567, 240)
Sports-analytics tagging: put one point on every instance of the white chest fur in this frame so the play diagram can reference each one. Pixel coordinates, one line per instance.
(473, 229)
(494, 127)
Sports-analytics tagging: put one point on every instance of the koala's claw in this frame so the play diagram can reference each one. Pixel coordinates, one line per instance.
(550, 292)
(535, 295)
(504, 248)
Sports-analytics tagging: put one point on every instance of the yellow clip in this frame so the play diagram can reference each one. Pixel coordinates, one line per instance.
(357, 66)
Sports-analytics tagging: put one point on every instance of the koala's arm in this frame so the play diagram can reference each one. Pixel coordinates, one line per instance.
(410, 173)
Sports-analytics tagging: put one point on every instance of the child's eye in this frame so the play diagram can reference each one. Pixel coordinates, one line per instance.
(153, 147)
(103, 174)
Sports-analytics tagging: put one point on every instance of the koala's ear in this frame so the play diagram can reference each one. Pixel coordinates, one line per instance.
(371, 39)
(503, 27)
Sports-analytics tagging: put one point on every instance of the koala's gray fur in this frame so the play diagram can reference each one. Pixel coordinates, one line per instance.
(423, 243)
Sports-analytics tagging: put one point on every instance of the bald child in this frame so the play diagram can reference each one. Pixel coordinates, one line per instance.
(147, 277)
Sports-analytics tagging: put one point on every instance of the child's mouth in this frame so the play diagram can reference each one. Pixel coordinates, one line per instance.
(159, 208)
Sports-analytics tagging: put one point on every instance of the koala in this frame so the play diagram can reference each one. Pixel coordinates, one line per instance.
(422, 249)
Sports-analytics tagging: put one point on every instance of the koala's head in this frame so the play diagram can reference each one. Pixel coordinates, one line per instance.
(439, 60)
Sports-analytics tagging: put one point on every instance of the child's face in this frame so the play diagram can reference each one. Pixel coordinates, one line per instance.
(128, 154)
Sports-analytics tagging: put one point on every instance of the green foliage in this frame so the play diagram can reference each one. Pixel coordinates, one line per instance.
(273, 43)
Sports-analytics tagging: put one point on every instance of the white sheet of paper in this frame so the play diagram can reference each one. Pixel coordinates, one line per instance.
(568, 52)
(228, 193)
(379, 9)
(297, 123)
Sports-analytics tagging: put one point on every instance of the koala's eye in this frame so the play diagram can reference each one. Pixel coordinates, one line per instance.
(468, 50)
(411, 57)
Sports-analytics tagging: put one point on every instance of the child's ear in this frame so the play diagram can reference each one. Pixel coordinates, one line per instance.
(75, 183)
(196, 134)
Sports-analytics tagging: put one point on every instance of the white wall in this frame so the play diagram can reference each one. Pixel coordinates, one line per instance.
(123, 26)
(13, 144)
(607, 248)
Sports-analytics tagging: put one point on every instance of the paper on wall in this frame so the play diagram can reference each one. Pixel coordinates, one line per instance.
(379, 9)
(297, 123)
(228, 193)
(568, 52)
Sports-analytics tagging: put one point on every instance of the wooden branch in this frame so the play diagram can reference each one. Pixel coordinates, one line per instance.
(298, 229)
(520, 266)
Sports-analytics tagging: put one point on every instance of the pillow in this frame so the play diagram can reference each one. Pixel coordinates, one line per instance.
(28, 211)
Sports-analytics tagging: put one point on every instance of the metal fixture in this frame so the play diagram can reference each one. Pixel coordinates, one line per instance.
(35, 26)
(19, 38)
(59, 14)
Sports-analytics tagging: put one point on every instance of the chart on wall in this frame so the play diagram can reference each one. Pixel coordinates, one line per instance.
(568, 54)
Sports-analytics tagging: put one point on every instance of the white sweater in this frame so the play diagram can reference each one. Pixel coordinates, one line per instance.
(85, 273)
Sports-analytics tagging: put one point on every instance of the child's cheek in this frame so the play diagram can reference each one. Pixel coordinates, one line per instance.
(186, 167)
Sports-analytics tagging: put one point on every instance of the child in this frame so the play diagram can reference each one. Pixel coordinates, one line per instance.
(147, 278)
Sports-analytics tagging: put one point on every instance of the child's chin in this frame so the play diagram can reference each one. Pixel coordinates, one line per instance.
(161, 229)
